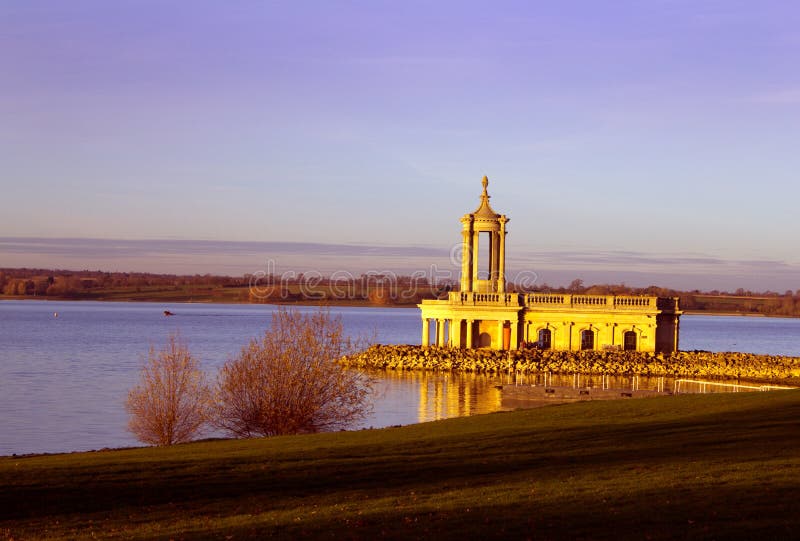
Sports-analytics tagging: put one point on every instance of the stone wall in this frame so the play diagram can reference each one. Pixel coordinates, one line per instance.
(688, 364)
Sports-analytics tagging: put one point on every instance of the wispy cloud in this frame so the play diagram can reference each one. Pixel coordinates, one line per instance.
(683, 271)
(783, 96)
(100, 248)
(687, 271)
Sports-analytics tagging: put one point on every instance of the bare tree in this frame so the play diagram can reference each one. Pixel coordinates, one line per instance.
(170, 403)
(576, 286)
(290, 381)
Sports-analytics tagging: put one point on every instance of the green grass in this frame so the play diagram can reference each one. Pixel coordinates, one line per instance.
(699, 467)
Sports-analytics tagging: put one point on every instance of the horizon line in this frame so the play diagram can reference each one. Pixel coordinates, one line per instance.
(237, 257)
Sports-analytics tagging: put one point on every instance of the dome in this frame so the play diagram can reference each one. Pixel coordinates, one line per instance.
(484, 218)
(485, 211)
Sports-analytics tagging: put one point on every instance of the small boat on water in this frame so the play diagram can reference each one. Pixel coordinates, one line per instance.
(168, 313)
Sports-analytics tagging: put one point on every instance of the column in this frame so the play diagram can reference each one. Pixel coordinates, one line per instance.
(455, 333)
(514, 336)
(493, 256)
(500, 334)
(569, 331)
(466, 256)
(470, 330)
(501, 278)
(439, 332)
(426, 329)
(475, 258)
(676, 333)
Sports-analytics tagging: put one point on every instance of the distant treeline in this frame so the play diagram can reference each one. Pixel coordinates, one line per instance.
(371, 288)
(67, 283)
(379, 289)
(741, 301)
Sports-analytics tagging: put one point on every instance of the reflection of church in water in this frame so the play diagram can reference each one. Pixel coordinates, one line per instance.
(444, 395)
(482, 314)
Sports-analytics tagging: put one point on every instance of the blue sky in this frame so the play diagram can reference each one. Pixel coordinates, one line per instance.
(637, 141)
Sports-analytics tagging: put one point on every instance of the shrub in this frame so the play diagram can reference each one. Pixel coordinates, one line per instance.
(170, 403)
(290, 381)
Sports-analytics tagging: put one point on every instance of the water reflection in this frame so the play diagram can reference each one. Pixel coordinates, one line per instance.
(405, 397)
(416, 396)
(451, 395)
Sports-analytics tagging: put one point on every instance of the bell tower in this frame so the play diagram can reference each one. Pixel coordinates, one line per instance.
(483, 258)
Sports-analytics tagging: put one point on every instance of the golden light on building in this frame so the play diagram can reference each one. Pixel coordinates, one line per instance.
(482, 314)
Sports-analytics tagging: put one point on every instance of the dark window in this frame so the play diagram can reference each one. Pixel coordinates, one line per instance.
(545, 339)
(587, 339)
(630, 341)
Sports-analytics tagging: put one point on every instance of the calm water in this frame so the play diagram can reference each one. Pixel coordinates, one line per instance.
(63, 380)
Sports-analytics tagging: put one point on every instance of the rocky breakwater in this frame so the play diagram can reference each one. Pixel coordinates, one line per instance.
(687, 364)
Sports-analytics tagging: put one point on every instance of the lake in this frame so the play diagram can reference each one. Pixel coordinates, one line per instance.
(64, 379)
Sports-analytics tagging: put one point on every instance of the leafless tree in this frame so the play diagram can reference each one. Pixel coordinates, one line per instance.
(170, 404)
(290, 381)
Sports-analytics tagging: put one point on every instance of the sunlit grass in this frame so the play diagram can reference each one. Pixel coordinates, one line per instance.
(717, 466)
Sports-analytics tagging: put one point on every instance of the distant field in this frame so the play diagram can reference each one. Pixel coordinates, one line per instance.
(699, 467)
(737, 304)
(332, 295)
(171, 294)
(226, 294)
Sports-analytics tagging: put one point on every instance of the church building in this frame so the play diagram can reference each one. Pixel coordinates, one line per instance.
(482, 314)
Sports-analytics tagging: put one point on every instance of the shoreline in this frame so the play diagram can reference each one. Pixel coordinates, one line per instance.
(750, 367)
(352, 304)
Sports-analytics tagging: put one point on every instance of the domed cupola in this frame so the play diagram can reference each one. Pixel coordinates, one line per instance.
(485, 212)
(484, 234)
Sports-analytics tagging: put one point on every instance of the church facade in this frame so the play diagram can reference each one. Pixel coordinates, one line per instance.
(482, 314)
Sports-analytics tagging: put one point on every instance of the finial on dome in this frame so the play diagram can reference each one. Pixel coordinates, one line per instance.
(484, 211)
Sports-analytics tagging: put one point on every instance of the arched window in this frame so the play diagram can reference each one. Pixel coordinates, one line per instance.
(629, 341)
(545, 339)
(587, 339)
(484, 340)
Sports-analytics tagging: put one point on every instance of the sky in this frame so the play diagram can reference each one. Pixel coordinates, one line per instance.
(644, 142)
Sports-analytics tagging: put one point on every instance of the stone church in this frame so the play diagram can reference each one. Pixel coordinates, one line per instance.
(482, 314)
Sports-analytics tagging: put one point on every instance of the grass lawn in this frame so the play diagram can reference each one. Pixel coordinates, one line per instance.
(699, 467)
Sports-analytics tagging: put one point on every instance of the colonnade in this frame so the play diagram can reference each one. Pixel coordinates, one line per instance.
(458, 332)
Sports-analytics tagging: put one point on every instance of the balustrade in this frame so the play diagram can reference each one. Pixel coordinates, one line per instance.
(634, 302)
(565, 300)
(590, 300)
(473, 298)
(619, 302)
